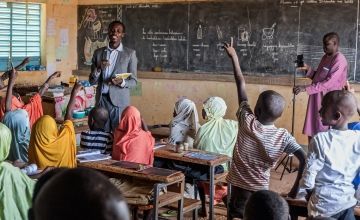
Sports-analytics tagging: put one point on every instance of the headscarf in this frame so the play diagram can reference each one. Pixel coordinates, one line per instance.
(131, 142)
(33, 107)
(18, 123)
(51, 147)
(217, 135)
(185, 124)
(16, 188)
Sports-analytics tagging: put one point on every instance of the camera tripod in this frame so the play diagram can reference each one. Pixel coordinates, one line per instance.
(289, 158)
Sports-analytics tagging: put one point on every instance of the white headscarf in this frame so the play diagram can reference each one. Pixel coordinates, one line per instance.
(185, 124)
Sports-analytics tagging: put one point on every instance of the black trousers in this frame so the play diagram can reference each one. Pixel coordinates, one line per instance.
(238, 200)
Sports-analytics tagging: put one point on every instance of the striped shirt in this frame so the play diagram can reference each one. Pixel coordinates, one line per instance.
(100, 140)
(257, 150)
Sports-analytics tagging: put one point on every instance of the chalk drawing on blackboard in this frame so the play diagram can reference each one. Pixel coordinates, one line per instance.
(91, 46)
(243, 34)
(268, 33)
(88, 18)
(219, 33)
(199, 34)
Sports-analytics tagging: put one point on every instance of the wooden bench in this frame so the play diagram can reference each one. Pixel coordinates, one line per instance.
(189, 205)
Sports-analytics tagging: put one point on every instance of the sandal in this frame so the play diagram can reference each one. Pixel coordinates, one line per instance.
(169, 213)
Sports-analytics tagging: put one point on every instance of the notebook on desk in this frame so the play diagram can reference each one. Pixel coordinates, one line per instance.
(159, 171)
(201, 155)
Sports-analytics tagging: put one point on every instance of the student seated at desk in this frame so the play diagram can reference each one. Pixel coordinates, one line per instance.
(18, 123)
(16, 187)
(259, 143)
(50, 146)
(78, 193)
(265, 204)
(217, 135)
(327, 178)
(97, 137)
(185, 124)
(132, 139)
(34, 106)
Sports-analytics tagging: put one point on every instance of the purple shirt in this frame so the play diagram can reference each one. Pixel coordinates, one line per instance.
(330, 75)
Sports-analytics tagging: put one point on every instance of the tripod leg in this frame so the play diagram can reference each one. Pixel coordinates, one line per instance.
(287, 161)
(282, 160)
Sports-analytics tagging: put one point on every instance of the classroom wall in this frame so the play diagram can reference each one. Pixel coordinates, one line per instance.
(58, 53)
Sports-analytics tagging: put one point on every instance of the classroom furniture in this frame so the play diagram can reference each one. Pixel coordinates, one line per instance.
(298, 207)
(167, 152)
(159, 131)
(174, 181)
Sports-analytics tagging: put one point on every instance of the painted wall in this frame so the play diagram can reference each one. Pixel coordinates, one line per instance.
(58, 50)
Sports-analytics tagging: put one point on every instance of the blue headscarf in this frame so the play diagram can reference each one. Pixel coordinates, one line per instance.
(18, 123)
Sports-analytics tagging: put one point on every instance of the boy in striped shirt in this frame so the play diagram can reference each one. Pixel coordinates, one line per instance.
(260, 144)
(97, 137)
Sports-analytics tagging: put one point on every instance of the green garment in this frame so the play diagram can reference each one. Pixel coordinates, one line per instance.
(16, 188)
(217, 135)
(18, 123)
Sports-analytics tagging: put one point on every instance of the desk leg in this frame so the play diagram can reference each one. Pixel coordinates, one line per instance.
(180, 213)
(156, 201)
(212, 189)
(228, 195)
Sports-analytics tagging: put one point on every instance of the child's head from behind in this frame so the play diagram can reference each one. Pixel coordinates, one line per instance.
(265, 204)
(79, 194)
(98, 117)
(213, 108)
(269, 106)
(337, 107)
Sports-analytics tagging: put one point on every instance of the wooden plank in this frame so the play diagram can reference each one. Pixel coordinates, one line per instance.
(106, 166)
(189, 205)
(167, 152)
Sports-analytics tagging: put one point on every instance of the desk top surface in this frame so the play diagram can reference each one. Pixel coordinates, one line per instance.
(108, 166)
(167, 152)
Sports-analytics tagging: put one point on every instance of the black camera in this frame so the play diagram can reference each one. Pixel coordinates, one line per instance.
(299, 61)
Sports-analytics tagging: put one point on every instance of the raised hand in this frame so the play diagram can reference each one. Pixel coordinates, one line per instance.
(230, 50)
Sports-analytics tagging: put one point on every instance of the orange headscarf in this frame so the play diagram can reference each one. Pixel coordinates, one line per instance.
(131, 142)
(34, 107)
(51, 147)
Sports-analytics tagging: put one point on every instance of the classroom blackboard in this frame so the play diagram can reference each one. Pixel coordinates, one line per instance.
(185, 37)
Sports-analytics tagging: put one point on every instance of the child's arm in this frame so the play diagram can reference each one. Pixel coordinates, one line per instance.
(71, 104)
(9, 91)
(143, 125)
(301, 156)
(239, 78)
(45, 86)
(352, 90)
(314, 163)
(18, 67)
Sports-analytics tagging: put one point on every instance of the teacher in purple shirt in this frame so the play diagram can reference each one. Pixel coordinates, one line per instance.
(330, 75)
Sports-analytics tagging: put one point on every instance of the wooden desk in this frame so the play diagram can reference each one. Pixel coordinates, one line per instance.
(298, 207)
(107, 167)
(167, 152)
(159, 132)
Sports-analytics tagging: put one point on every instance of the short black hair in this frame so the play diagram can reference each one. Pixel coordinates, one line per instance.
(332, 35)
(117, 22)
(80, 193)
(343, 101)
(266, 204)
(273, 104)
(100, 115)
